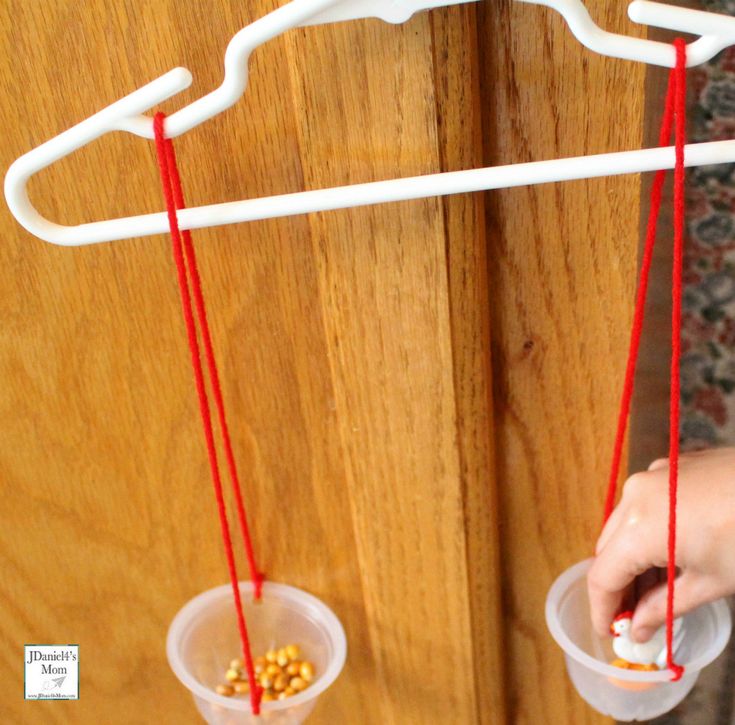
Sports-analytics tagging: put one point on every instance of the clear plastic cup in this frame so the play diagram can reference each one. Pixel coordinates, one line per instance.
(203, 638)
(627, 695)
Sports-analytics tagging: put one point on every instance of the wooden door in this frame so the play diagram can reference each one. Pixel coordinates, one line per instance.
(355, 348)
(562, 261)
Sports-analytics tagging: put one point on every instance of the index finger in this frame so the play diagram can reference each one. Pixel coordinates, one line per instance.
(623, 558)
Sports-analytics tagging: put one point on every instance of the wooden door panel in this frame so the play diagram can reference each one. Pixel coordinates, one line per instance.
(355, 348)
(562, 275)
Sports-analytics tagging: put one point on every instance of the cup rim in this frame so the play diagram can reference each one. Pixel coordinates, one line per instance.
(720, 611)
(284, 592)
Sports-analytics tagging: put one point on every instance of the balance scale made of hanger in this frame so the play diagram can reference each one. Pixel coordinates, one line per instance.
(716, 32)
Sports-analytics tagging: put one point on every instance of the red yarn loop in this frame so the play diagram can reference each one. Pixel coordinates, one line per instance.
(674, 116)
(677, 671)
(676, 297)
(188, 274)
(640, 306)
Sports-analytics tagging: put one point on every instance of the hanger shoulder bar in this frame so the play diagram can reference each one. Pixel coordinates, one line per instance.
(294, 14)
(391, 11)
(717, 32)
(379, 192)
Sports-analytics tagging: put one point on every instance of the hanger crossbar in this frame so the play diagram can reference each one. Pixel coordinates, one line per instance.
(382, 192)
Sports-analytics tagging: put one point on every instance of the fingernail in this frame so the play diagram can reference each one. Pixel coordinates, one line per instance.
(643, 634)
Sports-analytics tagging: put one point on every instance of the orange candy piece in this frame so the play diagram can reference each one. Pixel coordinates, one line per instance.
(628, 684)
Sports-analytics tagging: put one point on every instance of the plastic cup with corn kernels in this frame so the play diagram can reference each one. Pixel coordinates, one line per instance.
(203, 638)
(624, 694)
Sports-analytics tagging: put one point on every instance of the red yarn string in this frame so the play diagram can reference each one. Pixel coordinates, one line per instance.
(674, 115)
(640, 306)
(676, 283)
(165, 160)
(196, 285)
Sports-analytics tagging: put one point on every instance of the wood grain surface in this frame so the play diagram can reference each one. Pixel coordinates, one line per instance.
(355, 349)
(562, 276)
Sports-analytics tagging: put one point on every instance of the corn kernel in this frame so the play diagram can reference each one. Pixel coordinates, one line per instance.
(279, 684)
(226, 690)
(294, 668)
(307, 671)
(292, 651)
(298, 684)
(273, 670)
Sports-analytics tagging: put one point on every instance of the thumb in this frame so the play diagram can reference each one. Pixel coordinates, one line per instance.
(690, 592)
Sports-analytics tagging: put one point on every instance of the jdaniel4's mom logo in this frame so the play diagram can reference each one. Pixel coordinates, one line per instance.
(51, 672)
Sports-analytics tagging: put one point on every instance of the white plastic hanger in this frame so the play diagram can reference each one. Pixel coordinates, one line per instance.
(717, 32)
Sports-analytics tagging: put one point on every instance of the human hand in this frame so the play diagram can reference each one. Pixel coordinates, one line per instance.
(635, 537)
